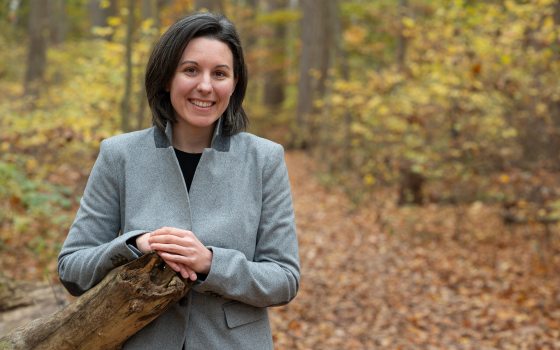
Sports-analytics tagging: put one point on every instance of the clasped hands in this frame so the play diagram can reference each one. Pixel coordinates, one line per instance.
(180, 249)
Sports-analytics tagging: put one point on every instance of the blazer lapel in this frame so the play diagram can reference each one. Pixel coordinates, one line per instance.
(176, 181)
(212, 162)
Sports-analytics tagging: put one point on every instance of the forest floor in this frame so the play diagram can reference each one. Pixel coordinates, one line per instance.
(437, 277)
(379, 276)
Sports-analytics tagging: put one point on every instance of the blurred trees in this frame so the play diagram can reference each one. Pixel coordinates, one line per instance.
(125, 103)
(210, 5)
(394, 92)
(57, 21)
(274, 79)
(444, 101)
(317, 46)
(101, 10)
(37, 48)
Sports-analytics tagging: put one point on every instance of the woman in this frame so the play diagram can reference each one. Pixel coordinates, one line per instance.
(229, 225)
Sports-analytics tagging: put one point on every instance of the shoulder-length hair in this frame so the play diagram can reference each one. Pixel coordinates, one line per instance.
(166, 55)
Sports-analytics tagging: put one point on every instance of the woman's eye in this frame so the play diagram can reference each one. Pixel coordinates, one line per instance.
(190, 70)
(220, 74)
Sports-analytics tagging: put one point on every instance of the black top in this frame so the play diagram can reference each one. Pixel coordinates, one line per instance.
(188, 163)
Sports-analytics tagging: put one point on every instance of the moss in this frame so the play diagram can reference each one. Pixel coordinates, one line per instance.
(6, 344)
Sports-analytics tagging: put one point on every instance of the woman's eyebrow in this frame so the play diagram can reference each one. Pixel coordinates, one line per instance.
(188, 62)
(225, 66)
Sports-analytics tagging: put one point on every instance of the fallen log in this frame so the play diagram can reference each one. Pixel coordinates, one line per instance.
(125, 301)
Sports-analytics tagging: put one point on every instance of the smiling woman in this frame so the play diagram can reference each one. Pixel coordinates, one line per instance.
(212, 200)
(200, 91)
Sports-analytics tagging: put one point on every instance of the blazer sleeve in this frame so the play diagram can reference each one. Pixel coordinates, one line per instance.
(93, 246)
(272, 278)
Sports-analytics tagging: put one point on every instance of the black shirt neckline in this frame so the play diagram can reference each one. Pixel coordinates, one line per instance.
(188, 163)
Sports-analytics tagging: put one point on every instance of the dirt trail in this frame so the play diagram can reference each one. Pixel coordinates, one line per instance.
(362, 288)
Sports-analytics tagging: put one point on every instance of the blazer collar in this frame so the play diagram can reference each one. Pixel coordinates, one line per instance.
(165, 139)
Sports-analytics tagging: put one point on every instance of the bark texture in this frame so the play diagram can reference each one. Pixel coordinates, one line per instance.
(129, 298)
(316, 55)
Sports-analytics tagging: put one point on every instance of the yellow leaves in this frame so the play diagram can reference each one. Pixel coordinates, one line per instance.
(504, 179)
(278, 17)
(505, 59)
(369, 180)
(355, 35)
(31, 165)
(541, 109)
(337, 100)
(408, 27)
(544, 2)
(373, 103)
(482, 45)
(348, 86)
(360, 129)
(548, 24)
(114, 21)
(509, 133)
(408, 22)
(102, 31)
(439, 89)
(383, 110)
(104, 4)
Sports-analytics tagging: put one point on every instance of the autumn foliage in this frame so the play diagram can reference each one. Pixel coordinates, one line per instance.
(427, 196)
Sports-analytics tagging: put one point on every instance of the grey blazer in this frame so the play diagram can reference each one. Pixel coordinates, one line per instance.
(239, 205)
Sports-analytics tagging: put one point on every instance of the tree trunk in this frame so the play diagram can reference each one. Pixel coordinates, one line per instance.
(328, 127)
(37, 52)
(401, 39)
(99, 13)
(273, 96)
(316, 37)
(57, 21)
(125, 103)
(150, 11)
(249, 36)
(129, 298)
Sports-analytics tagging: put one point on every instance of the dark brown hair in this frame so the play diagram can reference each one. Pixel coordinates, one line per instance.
(166, 55)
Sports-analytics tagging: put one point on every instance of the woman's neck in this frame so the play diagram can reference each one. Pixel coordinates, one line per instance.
(192, 140)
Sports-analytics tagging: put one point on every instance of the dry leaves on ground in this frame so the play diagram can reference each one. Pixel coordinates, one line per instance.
(383, 277)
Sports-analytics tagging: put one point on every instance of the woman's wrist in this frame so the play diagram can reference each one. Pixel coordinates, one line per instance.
(209, 256)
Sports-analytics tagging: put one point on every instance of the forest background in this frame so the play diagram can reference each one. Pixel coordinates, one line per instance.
(440, 117)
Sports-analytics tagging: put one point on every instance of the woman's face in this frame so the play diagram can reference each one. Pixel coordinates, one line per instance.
(202, 84)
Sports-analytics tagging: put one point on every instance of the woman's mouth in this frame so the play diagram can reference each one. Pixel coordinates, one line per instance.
(201, 104)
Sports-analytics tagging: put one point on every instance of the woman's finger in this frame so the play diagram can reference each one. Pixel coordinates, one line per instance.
(170, 248)
(171, 260)
(171, 231)
(176, 258)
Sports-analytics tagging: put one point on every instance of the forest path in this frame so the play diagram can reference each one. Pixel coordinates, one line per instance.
(362, 288)
(383, 277)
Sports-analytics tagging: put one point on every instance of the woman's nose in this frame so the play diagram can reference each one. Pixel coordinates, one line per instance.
(204, 85)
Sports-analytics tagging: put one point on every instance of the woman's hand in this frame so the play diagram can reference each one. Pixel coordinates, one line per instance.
(142, 243)
(181, 250)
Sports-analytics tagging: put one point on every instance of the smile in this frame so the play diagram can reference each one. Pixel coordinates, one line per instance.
(202, 104)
